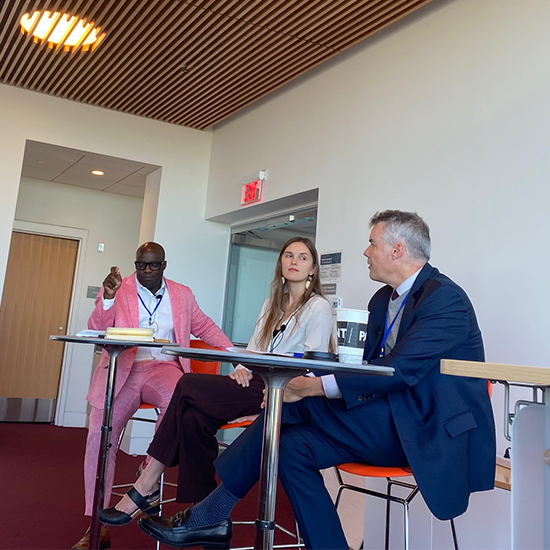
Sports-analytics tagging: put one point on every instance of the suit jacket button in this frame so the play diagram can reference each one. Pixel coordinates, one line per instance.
(360, 398)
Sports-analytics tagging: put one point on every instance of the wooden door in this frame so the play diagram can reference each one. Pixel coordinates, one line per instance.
(35, 304)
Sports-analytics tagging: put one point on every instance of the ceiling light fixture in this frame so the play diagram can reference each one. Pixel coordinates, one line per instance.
(61, 30)
(98, 173)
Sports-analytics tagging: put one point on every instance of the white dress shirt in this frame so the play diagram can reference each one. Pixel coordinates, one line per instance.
(407, 284)
(161, 320)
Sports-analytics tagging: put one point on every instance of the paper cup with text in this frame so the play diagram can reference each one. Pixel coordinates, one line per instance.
(352, 334)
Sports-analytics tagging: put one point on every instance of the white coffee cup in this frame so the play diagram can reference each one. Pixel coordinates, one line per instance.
(352, 334)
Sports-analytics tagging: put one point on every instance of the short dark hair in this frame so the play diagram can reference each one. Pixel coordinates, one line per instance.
(408, 228)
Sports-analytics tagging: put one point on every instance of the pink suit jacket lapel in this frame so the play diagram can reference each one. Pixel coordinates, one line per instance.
(176, 305)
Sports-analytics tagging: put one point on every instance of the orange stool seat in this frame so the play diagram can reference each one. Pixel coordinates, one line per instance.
(243, 424)
(145, 406)
(367, 470)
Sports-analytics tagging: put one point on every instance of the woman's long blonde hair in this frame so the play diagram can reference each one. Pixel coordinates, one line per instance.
(279, 292)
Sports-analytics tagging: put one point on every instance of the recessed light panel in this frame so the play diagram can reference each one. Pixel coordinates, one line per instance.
(61, 30)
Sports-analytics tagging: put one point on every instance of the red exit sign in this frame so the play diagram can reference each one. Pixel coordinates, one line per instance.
(252, 191)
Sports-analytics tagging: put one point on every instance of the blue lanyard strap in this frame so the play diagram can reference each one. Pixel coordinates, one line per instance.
(151, 313)
(387, 329)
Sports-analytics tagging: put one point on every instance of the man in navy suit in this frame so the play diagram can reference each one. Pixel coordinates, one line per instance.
(442, 426)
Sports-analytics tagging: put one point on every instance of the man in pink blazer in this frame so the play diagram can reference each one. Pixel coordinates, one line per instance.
(143, 299)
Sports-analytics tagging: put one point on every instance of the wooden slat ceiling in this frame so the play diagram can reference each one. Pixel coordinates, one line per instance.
(187, 62)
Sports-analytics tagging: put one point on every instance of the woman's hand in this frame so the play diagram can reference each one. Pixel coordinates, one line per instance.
(242, 376)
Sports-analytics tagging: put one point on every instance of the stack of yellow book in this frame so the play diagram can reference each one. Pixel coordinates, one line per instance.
(131, 334)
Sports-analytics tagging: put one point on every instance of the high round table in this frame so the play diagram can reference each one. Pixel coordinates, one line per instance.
(114, 348)
(276, 371)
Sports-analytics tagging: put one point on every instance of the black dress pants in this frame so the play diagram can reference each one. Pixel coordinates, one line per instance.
(187, 435)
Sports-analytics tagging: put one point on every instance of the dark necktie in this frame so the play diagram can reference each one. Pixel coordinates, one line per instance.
(394, 295)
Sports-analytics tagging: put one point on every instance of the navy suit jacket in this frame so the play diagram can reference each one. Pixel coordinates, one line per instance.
(445, 423)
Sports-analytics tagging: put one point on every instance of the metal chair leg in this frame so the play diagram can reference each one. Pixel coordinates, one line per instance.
(406, 526)
(161, 494)
(389, 498)
(388, 515)
(453, 531)
(341, 487)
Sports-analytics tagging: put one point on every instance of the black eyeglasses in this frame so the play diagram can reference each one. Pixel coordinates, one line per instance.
(153, 266)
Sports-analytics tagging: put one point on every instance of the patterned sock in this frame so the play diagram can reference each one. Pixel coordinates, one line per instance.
(214, 508)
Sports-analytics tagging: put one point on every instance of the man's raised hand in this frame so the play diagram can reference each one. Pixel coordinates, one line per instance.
(112, 283)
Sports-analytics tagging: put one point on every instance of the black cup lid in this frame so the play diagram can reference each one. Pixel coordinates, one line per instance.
(320, 356)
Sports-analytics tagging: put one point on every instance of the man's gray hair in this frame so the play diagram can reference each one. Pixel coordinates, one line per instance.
(407, 228)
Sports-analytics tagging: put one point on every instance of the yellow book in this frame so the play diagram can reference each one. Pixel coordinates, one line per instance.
(130, 334)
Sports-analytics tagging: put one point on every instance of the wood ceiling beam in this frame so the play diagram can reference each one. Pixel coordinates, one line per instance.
(233, 89)
(223, 109)
(122, 26)
(240, 69)
(188, 83)
(168, 61)
(235, 51)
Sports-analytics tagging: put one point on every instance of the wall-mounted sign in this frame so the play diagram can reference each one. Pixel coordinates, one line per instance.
(331, 265)
(252, 192)
(252, 189)
(329, 289)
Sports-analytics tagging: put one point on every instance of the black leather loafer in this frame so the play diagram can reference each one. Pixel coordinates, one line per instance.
(174, 532)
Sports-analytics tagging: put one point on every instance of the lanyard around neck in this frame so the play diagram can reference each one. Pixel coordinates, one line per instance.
(278, 334)
(388, 329)
(151, 313)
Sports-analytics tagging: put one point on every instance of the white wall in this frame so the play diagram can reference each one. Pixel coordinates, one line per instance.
(196, 249)
(445, 114)
(150, 205)
(106, 217)
(109, 218)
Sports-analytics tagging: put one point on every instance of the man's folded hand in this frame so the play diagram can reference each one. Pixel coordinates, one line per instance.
(300, 387)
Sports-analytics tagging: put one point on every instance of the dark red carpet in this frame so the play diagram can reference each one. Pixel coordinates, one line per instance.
(42, 497)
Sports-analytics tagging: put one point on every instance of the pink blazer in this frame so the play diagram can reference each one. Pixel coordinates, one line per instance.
(188, 319)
